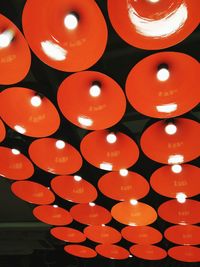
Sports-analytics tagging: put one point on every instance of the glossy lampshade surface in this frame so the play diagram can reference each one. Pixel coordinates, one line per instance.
(111, 251)
(68, 234)
(80, 251)
(148, 252)
(2, 131)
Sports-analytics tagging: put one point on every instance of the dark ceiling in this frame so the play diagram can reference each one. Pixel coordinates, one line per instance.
(24, 241)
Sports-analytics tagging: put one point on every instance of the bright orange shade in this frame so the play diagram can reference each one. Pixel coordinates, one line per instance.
(15, 54)
(185, 253)
(131, 186)
(180, 147)
(87, 111)
(59, 47)
(141, 234)
(154, 25)
(102, 234)
(148, 252)
(76, 191)
(48, 157)
(169, 98)
(80, 251)
(21, 115)
(112, 251)
(98, 152)
(133, 215)
(90, 215)
(32, 192)
(15, 167)
(2, 131)
(68, 234)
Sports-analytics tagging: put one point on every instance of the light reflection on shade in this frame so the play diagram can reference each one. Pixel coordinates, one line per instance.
(167, 108)
(175, 159)
(71, 21)
(85, 121)
(54, 51)
(19, 129)
(36, 101)
(106, 166)
(164, 27)
(181, 197)
(6, 38)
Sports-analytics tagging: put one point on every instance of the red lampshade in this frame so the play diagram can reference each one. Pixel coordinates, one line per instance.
(112, 251)
(172, 143)
(32, 192)
(154, 24)
(55, 156)
(163, 90)
(148, 252)
(61, 38)
(2, 131)
(68, 234)
(74, 188)
(109, 155)
(169, 181)
(185, 253)
(88, 99)
(102, 234)
(133, 213)
(80, 251)
(14, 53)
(14, 165)
(28, 113)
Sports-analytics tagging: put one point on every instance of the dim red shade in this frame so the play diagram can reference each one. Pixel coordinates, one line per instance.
(76, 191)
(143, 235)
(32, 192)
(48, 157)
(91, 112)
(68, 234)
(185, 253)
(167, 183)
(56, 45)
(180, 147)
(169, 98)
(148, 252)
(90, 215)
(17, 110)
(131, 186)
(80, 251)
(183, 234)
(98, 152)
(149, 25)
(112, 251)
(52, 215)
(180, 213)
(14, 53)
(2, 131)
(15, 167)
(102, 234)
(133, 215)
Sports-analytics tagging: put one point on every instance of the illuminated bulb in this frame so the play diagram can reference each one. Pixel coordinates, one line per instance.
(84, 121)
(106, 166)
(95, 90)
(130, 256)
(19, 129)
(15, 151)
(6, 38)
(133, 202)
(103, 225)
(163, 74)
(55, 206)
(181, 197)
(176, 168)
(111, 138)
(71, 21)
(36, 101)
(77, 178)
(123, 172)
(175, 159)
(92, 204)
(153, 1)
(170, 129)
(53, 50)
(60, 144)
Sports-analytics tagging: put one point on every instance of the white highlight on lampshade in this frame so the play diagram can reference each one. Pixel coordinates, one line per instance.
(84, 121)
(19, 129)
(133, 202)
(106, 166)
(92, 204)
(54, 51)
(77, 178)
(55, 206)
(6, 38)
(130, 256)
(176, 168)
(170, 128)
(167, 108)
(123, 172)
(175, 159)
(15, 151)
(60, 144)
(163, 74)
(36, 101)
(95, 90)
(103, 225)
(111, 138)
(71, 21)
(181, 197)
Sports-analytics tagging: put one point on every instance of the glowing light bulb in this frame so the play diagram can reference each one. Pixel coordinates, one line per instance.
(71, 21)
(77, 178)
(163, 74)
(123, 172)
(53, 50)
(133, 202)
(175, 159)
(111, 138)
(60, 144)
(92, 204)
(55, 206)
(106, 166)
(15, 151)
(130, 256)
(84, 121)
(36, 101)
(181, 197)
(95, 90)
(19, 129)
(170, 128)
(6, 38)
(153, 1)
(176, 168)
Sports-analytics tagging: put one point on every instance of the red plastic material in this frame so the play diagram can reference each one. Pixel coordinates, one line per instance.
(148, 252)
(68, 234)
(185, 253)
(112, 251)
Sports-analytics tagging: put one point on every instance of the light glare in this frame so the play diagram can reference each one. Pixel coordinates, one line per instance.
(175, 159)
(77, 178)
(106, 166)
(36, 101)
(95, 90)
(133, 202)
(123, 172)
(84, 121)
(92, 204)
(163, 74)
(181, 197)
(111, 138)
(176, 168)
(54, 51)
(60, 144)
(71, 21)
(170, 128)
(19, 129)
(15, 151)
(167, 108)
(6, 38)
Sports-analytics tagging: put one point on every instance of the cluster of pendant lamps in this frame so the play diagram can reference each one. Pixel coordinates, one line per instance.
(72, 37)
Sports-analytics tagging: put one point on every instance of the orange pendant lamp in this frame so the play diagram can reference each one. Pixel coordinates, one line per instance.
(185, 253)
(69, 37)
(112, 251)
(154, 24)
(14, 53)
(68, 234)
(2, 131)
(168, 87)
(148, 252)
(88, 100)
(80, 251)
